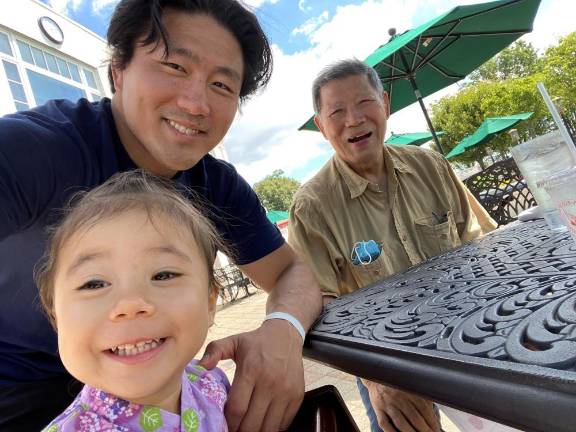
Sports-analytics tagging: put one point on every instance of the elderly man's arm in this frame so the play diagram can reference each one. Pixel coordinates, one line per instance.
(476, 220)
(268, 385)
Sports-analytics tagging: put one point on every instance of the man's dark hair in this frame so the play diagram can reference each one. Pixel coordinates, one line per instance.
(140, 21)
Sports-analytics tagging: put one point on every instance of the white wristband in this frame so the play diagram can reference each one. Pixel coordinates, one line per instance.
(287, 317)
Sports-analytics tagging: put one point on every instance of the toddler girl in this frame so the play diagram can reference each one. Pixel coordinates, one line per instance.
(127, 282)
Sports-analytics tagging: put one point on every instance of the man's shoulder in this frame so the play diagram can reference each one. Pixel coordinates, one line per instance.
(54, 121)
(60, 112)
(214, 165)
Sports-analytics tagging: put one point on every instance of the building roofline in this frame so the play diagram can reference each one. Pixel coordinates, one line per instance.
(70, 20)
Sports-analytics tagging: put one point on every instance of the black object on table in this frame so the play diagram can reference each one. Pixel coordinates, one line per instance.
(489, 328)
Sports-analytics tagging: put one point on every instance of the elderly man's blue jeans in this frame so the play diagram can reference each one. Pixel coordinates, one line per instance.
(368, 406)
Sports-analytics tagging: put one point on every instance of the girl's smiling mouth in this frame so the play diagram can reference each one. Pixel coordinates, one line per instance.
(142, 351)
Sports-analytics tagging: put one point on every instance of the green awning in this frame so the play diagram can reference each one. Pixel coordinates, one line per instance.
(415, 138)
(276, 216)
(489, 127)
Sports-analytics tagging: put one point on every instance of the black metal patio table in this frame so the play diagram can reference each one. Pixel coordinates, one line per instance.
(489, 328)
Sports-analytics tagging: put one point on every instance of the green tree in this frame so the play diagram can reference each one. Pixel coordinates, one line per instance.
(276, 190)
(558, 68)
(506, 85)
(461, 114)
(517, 61)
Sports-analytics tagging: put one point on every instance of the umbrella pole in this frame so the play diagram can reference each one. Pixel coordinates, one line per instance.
(421, 102)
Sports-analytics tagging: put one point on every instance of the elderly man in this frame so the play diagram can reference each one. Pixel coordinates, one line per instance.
(406, 201)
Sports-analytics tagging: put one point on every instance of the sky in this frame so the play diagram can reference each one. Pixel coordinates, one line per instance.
(306, 35)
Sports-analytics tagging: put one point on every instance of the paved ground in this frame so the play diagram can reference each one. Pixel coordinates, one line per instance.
(247, 314)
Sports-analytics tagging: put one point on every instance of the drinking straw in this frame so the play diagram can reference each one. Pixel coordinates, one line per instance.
(556, 116)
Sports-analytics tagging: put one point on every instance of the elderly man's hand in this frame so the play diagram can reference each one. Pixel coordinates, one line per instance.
(268, 385)
(400, 411)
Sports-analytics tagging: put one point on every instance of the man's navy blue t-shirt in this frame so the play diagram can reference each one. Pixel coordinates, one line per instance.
(46, 155)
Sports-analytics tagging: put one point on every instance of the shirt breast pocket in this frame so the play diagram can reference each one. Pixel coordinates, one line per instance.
(436, 236)
(365, 274)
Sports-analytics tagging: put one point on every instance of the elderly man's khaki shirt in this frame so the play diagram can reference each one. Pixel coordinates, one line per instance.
(423, 210)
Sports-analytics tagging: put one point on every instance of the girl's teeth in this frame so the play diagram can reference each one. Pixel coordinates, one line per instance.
(140, 347)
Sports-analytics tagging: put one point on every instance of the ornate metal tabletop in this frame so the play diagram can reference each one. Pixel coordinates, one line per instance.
(489, 328)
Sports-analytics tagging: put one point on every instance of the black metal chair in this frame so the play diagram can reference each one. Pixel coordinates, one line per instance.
(502, 191)
(231, 280)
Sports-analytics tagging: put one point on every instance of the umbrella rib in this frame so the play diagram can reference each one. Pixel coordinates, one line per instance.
(391, 89)
(435, 51)
(393, 78)
(416, 52)
(393, 67)
(437, 68)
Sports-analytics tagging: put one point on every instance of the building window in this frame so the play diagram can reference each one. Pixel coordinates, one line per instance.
(52, 64)
(74, 72)
(16, 87)
(45, 88)
(90, 80)
(36, 74)
(55, 64)
(25, 52)
(39, 59)
(5, 44)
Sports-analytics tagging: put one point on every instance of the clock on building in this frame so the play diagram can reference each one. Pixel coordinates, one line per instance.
(51, 29)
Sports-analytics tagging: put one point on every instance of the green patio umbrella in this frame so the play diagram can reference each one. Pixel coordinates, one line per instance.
(486, 131)
(415, 138)
(276, 216)
(441, 52)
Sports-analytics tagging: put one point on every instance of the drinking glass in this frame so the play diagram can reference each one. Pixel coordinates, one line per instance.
(538, 159)
(562, 190)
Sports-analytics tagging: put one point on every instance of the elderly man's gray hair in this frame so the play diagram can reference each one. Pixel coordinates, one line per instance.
(343, 69)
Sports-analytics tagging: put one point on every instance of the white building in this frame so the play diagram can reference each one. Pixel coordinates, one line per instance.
(45, 55)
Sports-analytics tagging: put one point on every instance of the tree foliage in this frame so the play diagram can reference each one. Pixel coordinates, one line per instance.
(558, 68)
(516, 61)
(506, 85)
(276, 190)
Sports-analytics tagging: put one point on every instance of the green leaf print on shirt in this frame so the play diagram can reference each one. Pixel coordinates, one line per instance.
(53, 428)
(150, 419)
(192, 376)
(190, 420)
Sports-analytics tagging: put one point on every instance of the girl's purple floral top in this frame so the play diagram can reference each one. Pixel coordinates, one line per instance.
(202, 402)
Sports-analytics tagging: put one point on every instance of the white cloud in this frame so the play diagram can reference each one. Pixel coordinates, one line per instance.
(258, 3)
(98, 6)
(555, 19)
(265, 136)
(311, 25)
(65, 6)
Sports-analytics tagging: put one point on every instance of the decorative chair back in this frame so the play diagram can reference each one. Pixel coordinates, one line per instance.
(502, 191)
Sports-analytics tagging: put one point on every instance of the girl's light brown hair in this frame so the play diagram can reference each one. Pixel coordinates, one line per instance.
(132, 190)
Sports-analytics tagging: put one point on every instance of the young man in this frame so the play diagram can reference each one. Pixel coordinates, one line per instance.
(178, 71)
(405, 199)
